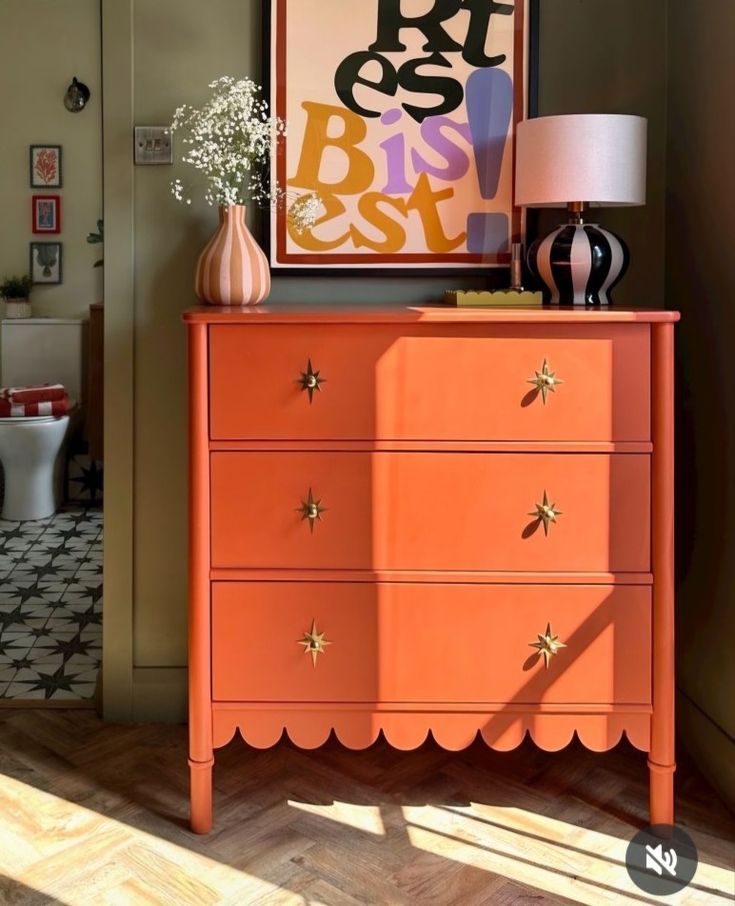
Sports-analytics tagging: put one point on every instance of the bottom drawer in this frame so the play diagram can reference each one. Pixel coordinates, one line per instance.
(392, 642)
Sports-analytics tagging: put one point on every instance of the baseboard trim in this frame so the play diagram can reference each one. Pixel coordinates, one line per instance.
(160, 695)
(41, 704)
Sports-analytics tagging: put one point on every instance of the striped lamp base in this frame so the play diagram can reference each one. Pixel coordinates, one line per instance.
(579, 263)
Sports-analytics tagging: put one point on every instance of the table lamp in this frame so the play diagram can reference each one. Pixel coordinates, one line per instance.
(572, 161)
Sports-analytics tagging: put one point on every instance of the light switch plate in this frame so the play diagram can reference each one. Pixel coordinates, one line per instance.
(154, 146)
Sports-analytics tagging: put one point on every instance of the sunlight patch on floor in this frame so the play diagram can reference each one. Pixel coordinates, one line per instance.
(555, 857)
(80, 857)
(113, 862)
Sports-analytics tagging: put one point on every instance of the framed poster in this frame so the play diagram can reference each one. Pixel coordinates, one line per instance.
(46, 262)
(401, 117)
(46, 213)
(45, 165)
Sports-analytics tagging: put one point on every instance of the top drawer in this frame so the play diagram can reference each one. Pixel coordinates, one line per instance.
(430, 382)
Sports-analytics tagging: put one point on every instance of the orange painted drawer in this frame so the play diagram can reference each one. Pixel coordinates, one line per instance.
(430, 382)
(430, 643)
(431, 511)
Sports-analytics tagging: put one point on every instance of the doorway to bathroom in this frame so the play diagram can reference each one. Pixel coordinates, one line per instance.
(51, 358)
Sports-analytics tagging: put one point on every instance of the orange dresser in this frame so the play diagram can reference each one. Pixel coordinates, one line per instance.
(416, 520)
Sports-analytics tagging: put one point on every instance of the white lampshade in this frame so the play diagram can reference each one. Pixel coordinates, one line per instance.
(595, 158)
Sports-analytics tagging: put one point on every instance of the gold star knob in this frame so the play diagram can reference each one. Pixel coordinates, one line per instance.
(546, 513)
(548, 645)
(314, 642)
(311, 509)
(545, 381)
(311, 381)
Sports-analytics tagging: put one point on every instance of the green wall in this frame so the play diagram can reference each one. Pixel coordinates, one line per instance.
(179, 47)
(43, 44)
(159, 54)
(701, 283)
(609, 56)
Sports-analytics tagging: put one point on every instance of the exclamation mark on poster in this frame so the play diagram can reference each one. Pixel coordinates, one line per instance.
(489, 110)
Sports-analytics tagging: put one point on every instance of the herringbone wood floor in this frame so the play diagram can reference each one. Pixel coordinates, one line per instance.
(92, 814)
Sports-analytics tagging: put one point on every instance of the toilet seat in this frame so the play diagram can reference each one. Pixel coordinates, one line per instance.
(32, 419)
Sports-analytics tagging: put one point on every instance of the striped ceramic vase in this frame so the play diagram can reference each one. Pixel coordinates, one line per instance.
(232, 269)
(580, 263)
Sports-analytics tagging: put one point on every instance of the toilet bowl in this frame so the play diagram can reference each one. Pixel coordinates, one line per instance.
(36, 352)
(30, 454)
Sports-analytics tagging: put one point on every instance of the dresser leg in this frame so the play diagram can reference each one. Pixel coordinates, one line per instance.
(201, 795)
(662, 793)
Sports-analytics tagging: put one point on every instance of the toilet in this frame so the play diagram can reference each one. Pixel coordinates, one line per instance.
(37, 351)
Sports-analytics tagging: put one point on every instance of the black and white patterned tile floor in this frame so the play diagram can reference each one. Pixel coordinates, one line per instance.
(51, 606)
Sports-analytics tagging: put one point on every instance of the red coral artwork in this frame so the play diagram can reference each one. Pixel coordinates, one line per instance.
(45, 165)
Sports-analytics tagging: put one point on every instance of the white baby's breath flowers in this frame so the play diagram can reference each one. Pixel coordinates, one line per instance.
(230, 140)
(304, 211)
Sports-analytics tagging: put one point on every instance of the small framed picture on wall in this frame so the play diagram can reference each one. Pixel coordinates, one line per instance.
(46, 211)
(46, 262)
(45, 163)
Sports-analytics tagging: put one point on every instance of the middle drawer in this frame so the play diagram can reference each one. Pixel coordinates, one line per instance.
(536, 512)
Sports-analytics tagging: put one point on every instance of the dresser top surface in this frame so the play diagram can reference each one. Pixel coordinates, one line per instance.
(303, 313)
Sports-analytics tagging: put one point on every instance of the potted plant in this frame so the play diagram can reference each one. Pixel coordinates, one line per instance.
(230, 141)
(98, 238)
(16, 292)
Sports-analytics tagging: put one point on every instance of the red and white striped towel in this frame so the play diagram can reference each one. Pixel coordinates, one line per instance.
(45, 393)
(56, 408)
